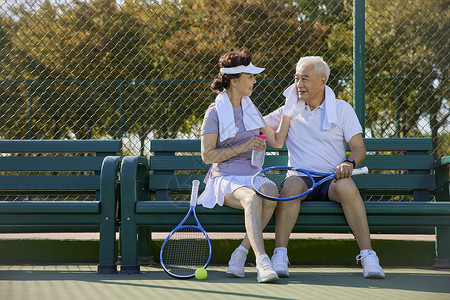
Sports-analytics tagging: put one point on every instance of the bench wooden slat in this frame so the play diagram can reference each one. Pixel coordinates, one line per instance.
(398, 144)
(378, 144)
(398, 162)
(175, 145)
(50, 183)
(373, 162)
(51, 219)
(180, 208)
(165, 213)
(395, 181)
(370, 181)
(50, 207)
(52, 146)
(60, 163)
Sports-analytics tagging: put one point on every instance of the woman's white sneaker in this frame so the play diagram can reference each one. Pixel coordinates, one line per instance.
(280, 262)
(236, 265)
(265, 270)
(371, 264)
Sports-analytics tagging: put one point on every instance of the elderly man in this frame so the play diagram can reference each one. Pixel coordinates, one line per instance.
(320, 128)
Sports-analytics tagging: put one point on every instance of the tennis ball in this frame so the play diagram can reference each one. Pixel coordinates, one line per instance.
(201, 273)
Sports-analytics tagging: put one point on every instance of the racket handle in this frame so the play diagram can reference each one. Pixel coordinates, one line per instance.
(194, 193)
(359, 171)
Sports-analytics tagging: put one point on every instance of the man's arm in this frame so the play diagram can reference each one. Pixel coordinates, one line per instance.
(358, 154)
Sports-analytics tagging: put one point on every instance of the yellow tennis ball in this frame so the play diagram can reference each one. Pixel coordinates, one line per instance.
(201, 273)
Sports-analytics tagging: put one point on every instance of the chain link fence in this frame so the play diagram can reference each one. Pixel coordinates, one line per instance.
(139, 69)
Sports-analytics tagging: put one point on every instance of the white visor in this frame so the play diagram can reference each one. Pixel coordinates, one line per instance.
(250, 69)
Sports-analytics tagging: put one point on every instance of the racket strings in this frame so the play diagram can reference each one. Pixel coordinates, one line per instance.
(185, 251)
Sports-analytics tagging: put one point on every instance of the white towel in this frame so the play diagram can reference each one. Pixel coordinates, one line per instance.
(293, 106)
(330, 120)
(227, 127)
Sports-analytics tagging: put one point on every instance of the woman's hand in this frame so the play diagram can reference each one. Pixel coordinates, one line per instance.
(210, 154)
(255, 143)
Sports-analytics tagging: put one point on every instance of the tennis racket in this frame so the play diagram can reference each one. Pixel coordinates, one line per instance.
(278, 175)
(187, 247)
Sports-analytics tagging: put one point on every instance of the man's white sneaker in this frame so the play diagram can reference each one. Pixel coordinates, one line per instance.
(236, 265)
(280, 262)
(371, 264)
(264, 268)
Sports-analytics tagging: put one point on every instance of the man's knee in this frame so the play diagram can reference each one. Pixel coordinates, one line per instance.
(293, 186)
(343, 190)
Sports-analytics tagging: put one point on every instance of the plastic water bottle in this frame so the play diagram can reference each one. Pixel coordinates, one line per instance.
(258, 156)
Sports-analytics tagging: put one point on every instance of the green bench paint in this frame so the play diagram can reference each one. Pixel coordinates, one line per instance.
(152, 194)
(40, 168)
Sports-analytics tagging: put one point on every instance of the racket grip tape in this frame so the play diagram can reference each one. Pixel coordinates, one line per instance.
(194, 193)
(359, 171)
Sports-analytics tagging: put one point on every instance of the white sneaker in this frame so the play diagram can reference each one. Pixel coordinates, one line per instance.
(265, 270)
(280, 262)
(236, 265)
(371, 264)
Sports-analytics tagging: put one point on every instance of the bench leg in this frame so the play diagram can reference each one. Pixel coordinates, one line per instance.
(129, 247)
(145, 246)
(130, 191)
(442, 247)
(108, 201)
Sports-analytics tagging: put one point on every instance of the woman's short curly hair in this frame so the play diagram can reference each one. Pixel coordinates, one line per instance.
(229, 60)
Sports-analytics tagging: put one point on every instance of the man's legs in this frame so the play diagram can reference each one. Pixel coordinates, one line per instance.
(345, 192)
(286, 216)
(286, 213)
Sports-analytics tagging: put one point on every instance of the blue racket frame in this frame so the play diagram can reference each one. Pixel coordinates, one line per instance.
(309, 173)
(181, 225)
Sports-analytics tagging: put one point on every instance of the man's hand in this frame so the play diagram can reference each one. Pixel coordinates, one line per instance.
(344, 170)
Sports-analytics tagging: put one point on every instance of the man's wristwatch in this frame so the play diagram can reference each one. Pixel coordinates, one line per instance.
(351, 161)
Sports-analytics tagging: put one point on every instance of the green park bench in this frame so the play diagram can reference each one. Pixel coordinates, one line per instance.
(153, 195)
(38, 179)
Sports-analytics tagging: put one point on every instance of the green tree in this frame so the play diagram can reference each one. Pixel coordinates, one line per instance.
(407, 62)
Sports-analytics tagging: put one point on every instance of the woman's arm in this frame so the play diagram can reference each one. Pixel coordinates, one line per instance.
(210, 154)
(277, 138)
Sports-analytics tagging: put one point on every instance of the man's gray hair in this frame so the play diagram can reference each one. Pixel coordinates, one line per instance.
(320, 66)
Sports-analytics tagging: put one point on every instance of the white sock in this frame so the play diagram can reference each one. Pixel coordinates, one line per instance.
(280, 250)
(242, 248)
(365, 252)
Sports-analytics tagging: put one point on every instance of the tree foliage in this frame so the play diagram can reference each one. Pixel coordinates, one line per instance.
(90, 69)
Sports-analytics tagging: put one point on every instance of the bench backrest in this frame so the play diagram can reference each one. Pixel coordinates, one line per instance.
(398, 166)
(29, 167)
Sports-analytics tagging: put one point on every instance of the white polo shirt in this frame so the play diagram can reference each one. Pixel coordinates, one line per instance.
(310, 146)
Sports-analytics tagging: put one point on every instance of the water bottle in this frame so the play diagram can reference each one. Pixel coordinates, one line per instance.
(258, 156)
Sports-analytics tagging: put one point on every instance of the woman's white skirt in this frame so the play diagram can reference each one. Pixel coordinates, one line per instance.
(217, 187)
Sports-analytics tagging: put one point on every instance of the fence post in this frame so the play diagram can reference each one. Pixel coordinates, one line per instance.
(358, 61)
(30, 112)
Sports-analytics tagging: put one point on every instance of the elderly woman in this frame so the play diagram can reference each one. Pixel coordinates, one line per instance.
(228, 138)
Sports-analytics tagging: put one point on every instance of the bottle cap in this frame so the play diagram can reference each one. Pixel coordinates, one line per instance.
(261, 136)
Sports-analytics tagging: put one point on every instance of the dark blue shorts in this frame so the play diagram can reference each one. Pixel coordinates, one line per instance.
(320, 193)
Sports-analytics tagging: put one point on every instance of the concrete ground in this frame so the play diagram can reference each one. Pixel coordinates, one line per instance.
(79, 281)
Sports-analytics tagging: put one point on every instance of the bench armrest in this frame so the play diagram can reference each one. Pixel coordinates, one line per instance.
(134, 179)
(109, 186)
(442, 171)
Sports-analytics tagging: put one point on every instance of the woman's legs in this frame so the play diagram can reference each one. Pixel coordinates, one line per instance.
(257, 214)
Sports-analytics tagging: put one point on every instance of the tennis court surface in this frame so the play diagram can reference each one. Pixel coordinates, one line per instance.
(79, 281)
